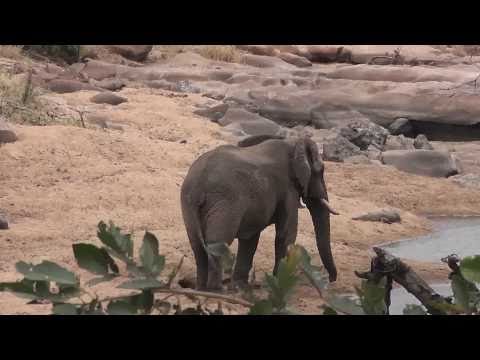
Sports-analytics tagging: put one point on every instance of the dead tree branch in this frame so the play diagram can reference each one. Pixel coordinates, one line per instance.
(385, 264)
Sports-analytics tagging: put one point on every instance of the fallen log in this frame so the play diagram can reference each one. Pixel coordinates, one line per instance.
(385, 264)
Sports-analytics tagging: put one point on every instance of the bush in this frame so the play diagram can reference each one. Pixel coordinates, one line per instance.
(11, 51)
(68, 53)
(227, 53)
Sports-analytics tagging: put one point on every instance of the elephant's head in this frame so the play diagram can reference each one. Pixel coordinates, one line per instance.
(308, 169)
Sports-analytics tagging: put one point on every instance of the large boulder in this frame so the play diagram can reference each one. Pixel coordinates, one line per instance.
(213, 113)
(330, 116)
(61, 86)
(264, 61)
(283, 105)
(365, 133)
(112, 84)
(98, 70)
(260, 126)
(265, 50)
(237, 114)
(401, 74)
(298, 61)
(326, 54)
(132, 52)
(7, 135)
(421, 142)
(400, 126)
(421, 162)
(399, 142)
(108, 98)
(337, 148)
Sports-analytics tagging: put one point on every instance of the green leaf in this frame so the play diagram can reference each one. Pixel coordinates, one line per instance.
(315, 274)
(121, 307)
(470, 268)
(113, 238)
(372, 297)
(344, 304)
(98, 280)
(141, 284)
(91, 258)
(466, 293)
(152, 262)
(24, 288)
(262, 307)
(143, 301)
(47, 271)
(65, 309)
(329, 311)
(42, 289)
(412, 309)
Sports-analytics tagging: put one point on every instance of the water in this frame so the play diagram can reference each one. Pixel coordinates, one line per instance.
(459, 236)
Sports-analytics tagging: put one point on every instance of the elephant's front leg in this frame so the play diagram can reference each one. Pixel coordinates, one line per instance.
(243, 264)
(286, 234)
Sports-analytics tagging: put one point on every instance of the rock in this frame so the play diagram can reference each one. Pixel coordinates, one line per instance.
(61, 86)
(109, 84)
(400, 126)
(365, 133)
(327, 117)
(421, 142)
(298, 61)
(99, 70)
(161, 84)
(215, 113)
(400, 74)
(264, 61)
(467, 180)
(283, 105)
(236, 114)
(260, 126)
(384, 215)
(373, 153)
(357, 159)
(265, 50)
(132, 52)
(3, 223)
(338, 148)
(108, 98)
(7, 135)
(323, 54)
(421, 162)
(399, 142)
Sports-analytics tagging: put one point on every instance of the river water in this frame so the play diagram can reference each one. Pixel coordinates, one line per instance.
(457, 235)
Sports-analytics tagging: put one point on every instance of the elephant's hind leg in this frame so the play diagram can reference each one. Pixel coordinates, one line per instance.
(246, 250)
(201, 259)
(221, 227)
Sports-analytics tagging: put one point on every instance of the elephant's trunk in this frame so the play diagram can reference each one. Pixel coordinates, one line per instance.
(321, 222)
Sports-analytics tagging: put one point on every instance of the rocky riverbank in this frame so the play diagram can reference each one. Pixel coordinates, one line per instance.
(399, 135)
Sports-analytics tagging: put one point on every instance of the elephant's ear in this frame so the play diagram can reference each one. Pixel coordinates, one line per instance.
(301, 166)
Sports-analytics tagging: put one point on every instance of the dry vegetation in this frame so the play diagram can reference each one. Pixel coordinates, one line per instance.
(11, 52)
(227, 53)
(20, 102)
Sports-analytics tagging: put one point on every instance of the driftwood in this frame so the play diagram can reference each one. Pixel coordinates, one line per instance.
(385, 264)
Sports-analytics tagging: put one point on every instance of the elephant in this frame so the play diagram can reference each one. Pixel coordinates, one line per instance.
(236, 191)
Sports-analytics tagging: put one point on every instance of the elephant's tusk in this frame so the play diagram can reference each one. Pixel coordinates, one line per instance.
(327, 205)
(302, 204)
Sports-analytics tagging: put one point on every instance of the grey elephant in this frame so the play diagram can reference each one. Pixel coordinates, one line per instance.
(235, 192)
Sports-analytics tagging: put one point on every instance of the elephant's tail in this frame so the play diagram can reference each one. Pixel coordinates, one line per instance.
(191, 217)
